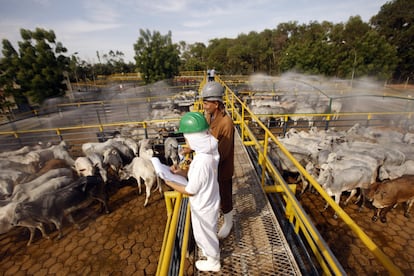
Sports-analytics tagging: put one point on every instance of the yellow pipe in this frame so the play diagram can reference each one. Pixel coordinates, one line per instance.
(295, 205)
(295, 210)
(168, 204)
(166, 257)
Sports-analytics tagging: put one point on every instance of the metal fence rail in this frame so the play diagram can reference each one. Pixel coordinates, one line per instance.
(93, 122)
(293, 210)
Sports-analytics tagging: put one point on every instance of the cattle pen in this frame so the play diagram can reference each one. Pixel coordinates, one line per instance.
(279, 227)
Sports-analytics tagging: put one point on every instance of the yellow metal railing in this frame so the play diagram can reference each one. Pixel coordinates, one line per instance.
(192, 73)
(294, 211)
(173, 202)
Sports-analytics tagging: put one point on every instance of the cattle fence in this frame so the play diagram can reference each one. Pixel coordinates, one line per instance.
(98, 120)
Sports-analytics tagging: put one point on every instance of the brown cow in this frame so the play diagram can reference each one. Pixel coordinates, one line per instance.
(385, 195)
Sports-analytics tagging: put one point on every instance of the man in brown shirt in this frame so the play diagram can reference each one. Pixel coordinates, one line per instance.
(222, 128)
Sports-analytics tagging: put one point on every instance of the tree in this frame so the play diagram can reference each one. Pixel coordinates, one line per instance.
(35, 69)
(280, 42)
(267, 58)
(395, 21)
(8, 71)
(307, 49)
(114, 62)
(192, 56)
(157, 58)
(216, 55)
(347, 50)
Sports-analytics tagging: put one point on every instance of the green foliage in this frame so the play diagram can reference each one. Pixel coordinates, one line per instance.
(7, 75)
(192, 58)
(34, 71)
(384, 49)
(342, 50)
(157, 58)
(395, 21)
(345, 50)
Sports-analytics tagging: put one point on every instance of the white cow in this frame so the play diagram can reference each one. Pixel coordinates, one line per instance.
(348, 158)
(97, 162)
(112, 158)
(84, 167)
(33, 188)
(87, 166)
(6, 215)
(395, 171)
(171, 150)
(409, 138)
(131, 143)
(60, 151)
(303, 109)
(335, 181)
(8, 179)
(141, 167)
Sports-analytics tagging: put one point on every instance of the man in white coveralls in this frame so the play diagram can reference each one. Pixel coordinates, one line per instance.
(202, 188)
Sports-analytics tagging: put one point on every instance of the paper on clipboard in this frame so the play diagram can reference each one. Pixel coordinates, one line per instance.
(164, 172)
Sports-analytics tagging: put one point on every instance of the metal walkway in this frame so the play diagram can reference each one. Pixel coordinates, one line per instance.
(256, 245)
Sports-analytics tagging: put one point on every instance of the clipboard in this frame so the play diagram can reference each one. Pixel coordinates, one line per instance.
(164, 172)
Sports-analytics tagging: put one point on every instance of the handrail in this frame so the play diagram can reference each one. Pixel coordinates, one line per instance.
(328, 261)
(241, 115)
(174, 204)
(295, 210)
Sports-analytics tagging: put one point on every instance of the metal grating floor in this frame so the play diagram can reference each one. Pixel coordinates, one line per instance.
(256, 245)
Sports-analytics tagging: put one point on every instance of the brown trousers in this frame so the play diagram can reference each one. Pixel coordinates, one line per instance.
(226, 195)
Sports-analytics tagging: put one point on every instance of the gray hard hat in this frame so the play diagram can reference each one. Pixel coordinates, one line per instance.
(212, 91)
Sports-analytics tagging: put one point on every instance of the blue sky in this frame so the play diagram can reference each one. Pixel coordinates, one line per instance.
(87, 26)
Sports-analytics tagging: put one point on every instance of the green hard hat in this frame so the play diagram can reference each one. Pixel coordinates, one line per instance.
(193, 122)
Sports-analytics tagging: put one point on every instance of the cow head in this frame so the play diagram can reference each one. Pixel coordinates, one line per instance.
(372, 191)
(18, 216)
(325, 176)
(124, 174)
(383, 173)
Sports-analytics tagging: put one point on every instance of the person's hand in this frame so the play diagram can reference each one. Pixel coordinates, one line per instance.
(177, 170)
(185, 150)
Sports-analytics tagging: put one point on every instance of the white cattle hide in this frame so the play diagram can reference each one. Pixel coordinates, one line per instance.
(6, 215)
(336, 181)
(27, 190)
(142, 168)
(394, 171)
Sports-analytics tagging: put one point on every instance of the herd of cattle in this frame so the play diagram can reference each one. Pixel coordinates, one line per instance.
(42, 185)
(266, 106)
(376, 163)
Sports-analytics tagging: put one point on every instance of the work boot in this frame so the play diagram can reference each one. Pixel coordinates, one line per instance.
(211, 264)
(227, 225)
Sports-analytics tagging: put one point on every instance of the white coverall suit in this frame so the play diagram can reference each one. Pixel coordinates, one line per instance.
(203, 185)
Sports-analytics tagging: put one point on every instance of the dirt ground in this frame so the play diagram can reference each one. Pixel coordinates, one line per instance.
(125, 242)
(394, 237)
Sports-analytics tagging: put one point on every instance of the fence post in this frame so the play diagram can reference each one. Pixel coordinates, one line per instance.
(286, 119)
(368, 119)
(99, 117)
(328, 118)
(59, 134)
